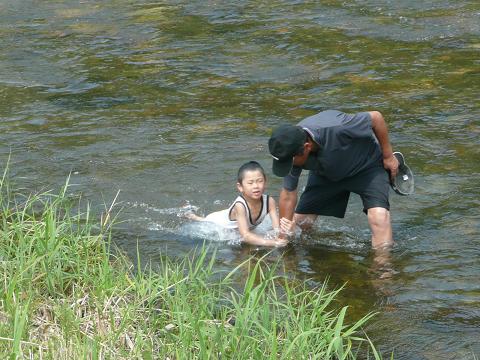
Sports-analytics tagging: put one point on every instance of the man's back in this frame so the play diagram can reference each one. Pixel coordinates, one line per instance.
(346, 143)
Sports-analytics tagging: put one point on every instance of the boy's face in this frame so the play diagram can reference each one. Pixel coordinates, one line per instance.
(253, 184)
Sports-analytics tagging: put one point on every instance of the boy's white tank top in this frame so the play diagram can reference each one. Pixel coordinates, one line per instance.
(222, 217)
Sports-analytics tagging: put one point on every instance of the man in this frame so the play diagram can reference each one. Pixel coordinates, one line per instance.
(344, 153)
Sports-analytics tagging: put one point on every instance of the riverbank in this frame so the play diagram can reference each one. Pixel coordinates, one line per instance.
(66, 293)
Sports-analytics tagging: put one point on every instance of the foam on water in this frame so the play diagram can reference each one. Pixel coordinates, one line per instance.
(210, 231)
(179, 211)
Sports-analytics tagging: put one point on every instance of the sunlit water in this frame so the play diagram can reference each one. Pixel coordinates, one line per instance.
(165, 100)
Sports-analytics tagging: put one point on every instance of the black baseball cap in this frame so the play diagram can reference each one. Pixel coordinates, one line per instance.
(286, 142)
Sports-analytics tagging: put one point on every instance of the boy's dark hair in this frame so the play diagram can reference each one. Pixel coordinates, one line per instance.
(249, 166)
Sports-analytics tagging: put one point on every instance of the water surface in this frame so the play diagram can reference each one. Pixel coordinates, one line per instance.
(165, 100)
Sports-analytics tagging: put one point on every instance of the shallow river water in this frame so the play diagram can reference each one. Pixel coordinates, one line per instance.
(164, 100)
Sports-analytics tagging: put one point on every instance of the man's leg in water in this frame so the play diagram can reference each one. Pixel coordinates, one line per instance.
(378, 219)
(381, 227)
(382, 241)
(305, 221)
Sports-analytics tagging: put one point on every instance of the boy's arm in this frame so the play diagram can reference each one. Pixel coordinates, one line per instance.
(246, 234)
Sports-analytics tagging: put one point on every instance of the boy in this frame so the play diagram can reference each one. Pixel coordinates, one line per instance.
(250, 208)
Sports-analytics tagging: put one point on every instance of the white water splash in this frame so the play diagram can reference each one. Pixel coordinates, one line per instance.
(178, 211)
(175, 220)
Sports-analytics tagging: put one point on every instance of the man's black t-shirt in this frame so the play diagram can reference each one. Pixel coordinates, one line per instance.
(347, 145)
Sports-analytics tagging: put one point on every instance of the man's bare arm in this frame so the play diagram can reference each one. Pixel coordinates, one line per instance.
(380, 129)
(287, 203)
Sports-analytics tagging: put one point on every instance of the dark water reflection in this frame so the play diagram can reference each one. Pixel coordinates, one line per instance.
(164, 100)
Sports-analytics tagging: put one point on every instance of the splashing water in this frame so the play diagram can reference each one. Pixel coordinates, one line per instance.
(175, 220)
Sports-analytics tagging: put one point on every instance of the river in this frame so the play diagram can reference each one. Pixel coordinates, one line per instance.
(164, 100)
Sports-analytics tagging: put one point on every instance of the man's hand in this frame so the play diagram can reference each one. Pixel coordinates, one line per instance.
(391, 165)
(287, 227)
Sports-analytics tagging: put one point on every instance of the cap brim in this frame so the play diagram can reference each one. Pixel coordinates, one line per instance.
(282, 168)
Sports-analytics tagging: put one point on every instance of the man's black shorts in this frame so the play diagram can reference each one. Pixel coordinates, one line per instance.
(330, 198)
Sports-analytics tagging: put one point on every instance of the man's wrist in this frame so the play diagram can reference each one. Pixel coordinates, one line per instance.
(387, 154)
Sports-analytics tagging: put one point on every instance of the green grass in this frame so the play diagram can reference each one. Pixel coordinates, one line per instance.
(67, 295)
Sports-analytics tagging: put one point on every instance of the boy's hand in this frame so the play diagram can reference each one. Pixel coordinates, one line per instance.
(281, 242)
(287, 227)
(191, 216)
